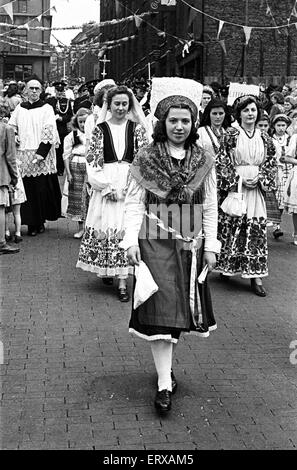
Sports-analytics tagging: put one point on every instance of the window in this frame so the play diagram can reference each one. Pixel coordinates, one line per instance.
(21, 6)
(18, 72)
(19, 47)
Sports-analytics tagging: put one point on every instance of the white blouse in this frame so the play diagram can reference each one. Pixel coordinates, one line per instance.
(118, 132)
(68, 145)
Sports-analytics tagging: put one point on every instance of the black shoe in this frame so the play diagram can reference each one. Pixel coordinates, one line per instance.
(277, 233)
(258, 289)
(8, 238)
(6, 249)
(163, 401)
(32, 233)
(18, 239)
(108, 281)
(41, 229)
(123, 294)
(173, 383)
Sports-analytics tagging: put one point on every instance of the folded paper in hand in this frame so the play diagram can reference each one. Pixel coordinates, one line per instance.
(145, 285)
(203, 274)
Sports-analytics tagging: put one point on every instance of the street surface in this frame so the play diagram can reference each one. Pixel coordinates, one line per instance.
(74, 378)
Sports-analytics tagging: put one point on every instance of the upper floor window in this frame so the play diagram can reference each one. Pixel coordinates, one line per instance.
(21, 6)
(19, 47)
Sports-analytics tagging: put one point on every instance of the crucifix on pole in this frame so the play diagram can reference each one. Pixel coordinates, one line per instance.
(104, 61)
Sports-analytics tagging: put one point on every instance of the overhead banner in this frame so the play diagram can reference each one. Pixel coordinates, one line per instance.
(240, 89)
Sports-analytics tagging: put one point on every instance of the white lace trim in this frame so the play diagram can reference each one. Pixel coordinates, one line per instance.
(44, 167)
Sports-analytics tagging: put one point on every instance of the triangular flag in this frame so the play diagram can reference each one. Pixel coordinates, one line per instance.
(247, 32)
(138, 21)
(268, 11)
(294, 12)
(221, 24)
(223, 45)
(39, 18)
(25, 26)
(9, 10)
(54, 9)
(117, 8)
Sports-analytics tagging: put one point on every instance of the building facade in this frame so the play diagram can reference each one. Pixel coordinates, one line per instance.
(83, 55)
(25, 51)
(181, 41)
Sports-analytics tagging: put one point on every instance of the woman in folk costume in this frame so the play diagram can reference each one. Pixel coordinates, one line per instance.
(99, 113)
(244, 239)
(172, 181)
(113, 146)
(75, 164)
(281, 140)
(212, 128)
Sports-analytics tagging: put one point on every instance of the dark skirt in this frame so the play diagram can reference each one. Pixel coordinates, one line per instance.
(43, 199)
(167, 313)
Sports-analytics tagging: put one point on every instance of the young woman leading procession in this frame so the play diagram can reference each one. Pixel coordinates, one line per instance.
(174, 175)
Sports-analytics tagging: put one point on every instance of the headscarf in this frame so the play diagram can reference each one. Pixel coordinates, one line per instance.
(175, 101)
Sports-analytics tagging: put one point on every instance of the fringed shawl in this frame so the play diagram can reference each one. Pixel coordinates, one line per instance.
(154, 170)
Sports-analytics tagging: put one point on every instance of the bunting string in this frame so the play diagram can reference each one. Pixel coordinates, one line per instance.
(95, 46)
(237, 24)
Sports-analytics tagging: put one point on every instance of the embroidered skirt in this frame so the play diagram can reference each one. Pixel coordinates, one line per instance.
(167, 313)
(272, 207)
(244, 246)
(290, 192)
(75, 209)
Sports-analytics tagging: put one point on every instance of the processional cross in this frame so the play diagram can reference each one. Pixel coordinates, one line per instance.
(104, 61)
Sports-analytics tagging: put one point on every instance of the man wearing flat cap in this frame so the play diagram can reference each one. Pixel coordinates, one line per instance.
(63, 112)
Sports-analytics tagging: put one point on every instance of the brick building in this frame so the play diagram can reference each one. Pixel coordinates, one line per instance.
(159, 40)
(269, 54)
(21, 51)
(84, 60)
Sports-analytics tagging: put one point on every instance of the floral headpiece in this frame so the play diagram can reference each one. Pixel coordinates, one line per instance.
(244, 98)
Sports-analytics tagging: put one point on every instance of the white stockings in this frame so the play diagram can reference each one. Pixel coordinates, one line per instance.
(162, 354)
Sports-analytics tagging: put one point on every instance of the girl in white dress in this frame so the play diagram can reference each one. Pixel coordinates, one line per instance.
(17, 196)
(75, 164)
(290, 189)
(281, 140)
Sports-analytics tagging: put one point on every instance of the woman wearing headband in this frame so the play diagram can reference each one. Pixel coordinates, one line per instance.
(171, 226)
(244, 239)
